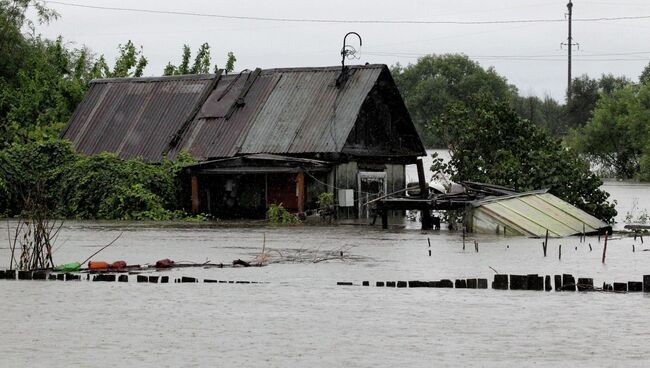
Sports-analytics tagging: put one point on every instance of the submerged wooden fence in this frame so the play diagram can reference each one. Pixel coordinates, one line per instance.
(564, 282)
(106, 277)
(535, 282)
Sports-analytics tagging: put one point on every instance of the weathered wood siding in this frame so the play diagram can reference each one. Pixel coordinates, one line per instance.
(346, 176)
(396, 176)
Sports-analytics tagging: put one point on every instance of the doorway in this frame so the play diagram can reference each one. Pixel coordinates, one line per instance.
(371, 185)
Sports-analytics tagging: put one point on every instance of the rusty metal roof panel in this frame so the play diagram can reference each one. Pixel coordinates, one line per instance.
(223, 96)
(532, 214)
(135, 117)
(277, 111)
(211, 134)
(307, 112)
(290, 110)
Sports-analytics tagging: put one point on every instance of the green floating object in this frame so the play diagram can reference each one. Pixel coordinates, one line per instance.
(68, 267)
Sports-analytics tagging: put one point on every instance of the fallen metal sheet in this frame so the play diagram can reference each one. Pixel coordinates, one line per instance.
(531, 214)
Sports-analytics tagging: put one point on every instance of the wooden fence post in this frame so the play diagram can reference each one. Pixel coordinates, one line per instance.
(195, 194)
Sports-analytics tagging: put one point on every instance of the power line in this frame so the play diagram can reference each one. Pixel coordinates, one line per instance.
(542, 58)
(389, 53)
(346, 21)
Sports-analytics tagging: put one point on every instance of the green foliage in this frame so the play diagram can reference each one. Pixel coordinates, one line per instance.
(37, 101)
(201, 60)
(42, 81)
(26, 169)
(278, 215)
(105, 186)
(546, 113)
(618, 135)
(325, 199)
(14, 11)
(644, 78)
(437, 81)
(134, 202)
(585, 93)
(78, 186)
(492, 144)
(230, 62)
(130, 63)
(201, 64)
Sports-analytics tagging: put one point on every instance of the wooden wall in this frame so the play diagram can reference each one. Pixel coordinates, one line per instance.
(346, 177)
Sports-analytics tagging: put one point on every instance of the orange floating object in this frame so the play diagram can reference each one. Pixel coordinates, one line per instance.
(98, 265)
(118, 265)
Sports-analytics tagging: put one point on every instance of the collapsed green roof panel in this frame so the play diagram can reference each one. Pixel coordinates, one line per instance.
(532, 214)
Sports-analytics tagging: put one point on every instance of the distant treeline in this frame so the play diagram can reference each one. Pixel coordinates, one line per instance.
(605, 119)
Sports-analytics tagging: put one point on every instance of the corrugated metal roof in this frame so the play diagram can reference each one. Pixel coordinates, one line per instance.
(531, 214)
(212, 135)
(306, 112)
(291, 110)
(275, 111)
(135, 117)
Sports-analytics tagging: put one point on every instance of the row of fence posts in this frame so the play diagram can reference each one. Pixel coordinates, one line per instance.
(105, 277)
(564, 282)
(445, 283)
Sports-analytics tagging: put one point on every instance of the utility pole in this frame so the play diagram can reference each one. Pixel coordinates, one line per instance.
(569, 45)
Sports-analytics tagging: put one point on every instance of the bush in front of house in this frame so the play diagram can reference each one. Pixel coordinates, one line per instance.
(77, 186)
(278, 215)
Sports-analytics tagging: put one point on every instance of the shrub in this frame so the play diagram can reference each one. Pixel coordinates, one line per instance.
(325, 199)
(89, 187)
(277, 214)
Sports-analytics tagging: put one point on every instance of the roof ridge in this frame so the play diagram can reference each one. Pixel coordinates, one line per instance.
(333, 68)
(168, 78)
(163, 78)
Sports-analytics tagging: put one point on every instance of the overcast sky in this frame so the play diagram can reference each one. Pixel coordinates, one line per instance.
(620, 47)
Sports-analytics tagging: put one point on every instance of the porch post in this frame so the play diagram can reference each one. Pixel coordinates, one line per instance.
(195, 195)
(427, 221)
(300, 191)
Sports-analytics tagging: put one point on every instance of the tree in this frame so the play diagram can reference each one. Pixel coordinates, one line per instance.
(547, 114)
(42, 81)
(618, 135)
(38, 100)
(644, 78)
(14, 46)
(130, 63)
(585, 93)
(493, 144)
(436, 81)
(230, 62)
(201, 64)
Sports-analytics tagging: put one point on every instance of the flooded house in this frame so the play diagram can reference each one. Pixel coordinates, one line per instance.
(260, 137)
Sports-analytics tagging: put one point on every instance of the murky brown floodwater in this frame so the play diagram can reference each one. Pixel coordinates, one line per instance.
(299, 317)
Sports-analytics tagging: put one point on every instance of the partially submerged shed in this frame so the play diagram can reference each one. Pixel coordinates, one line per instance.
(531, 214)
(262, 136)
